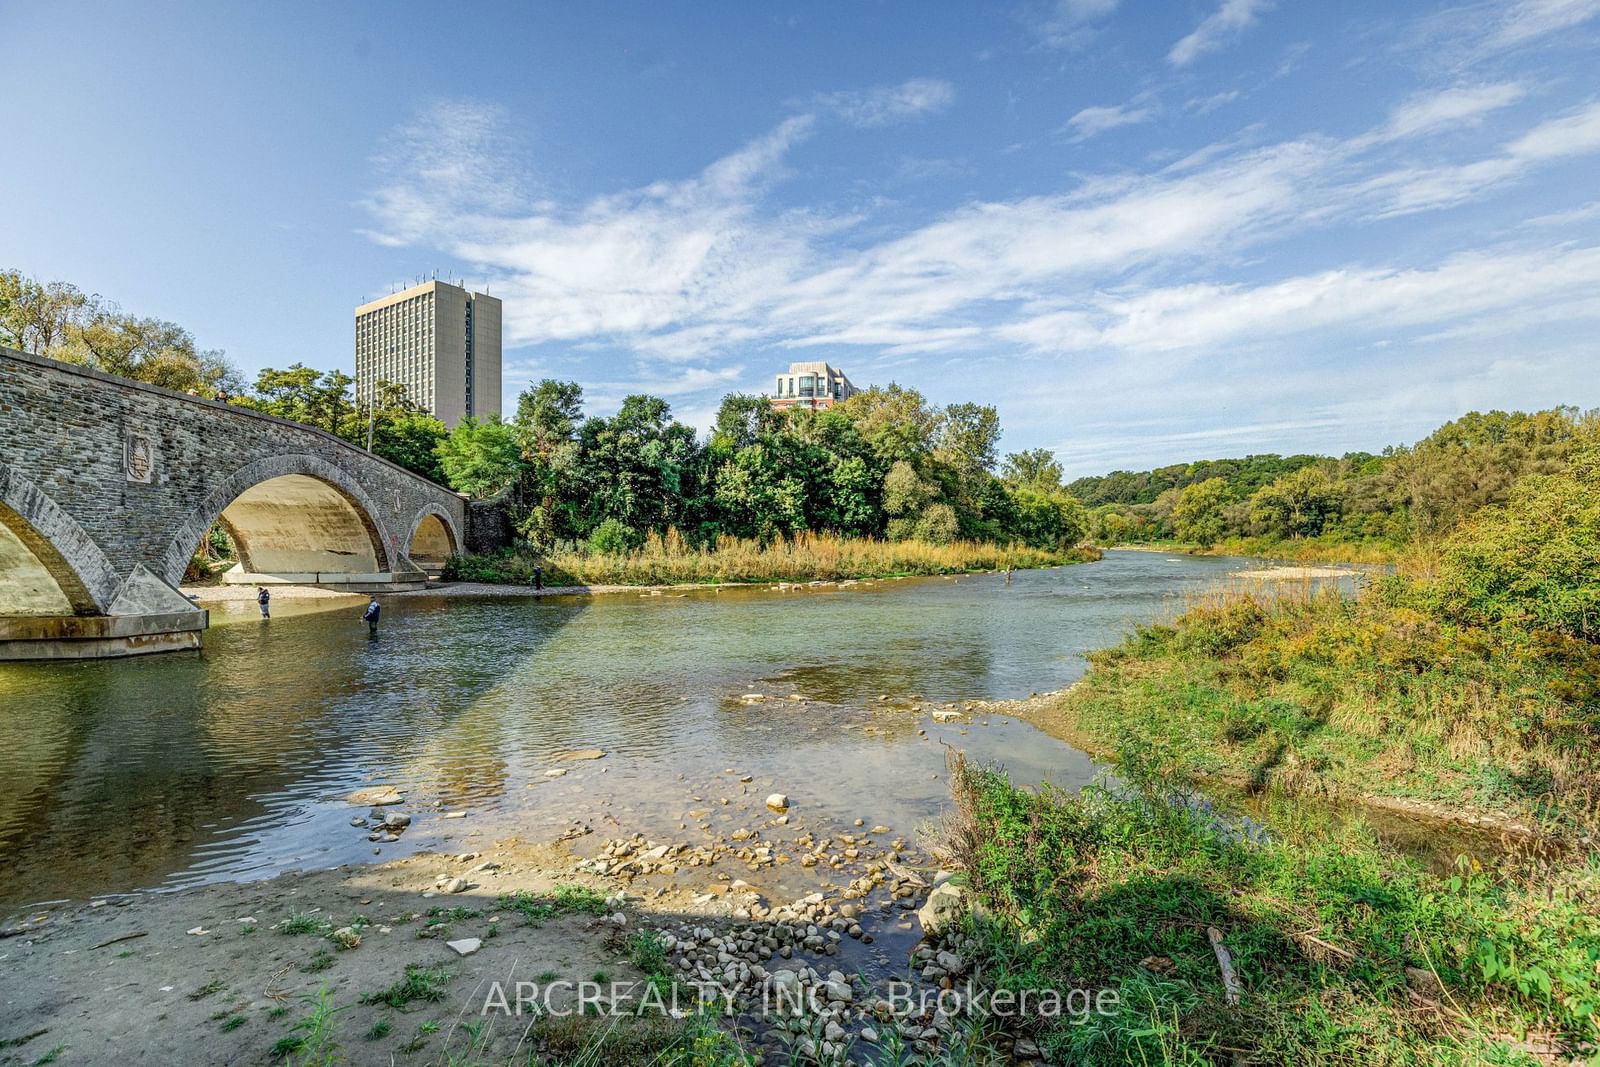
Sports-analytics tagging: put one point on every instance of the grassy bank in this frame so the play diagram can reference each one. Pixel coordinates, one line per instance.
(1469, 679)
(807, 557)
(1344, 952)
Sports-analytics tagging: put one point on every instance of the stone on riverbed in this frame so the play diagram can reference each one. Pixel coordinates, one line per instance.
(378, 797)
(466, 946)
(942, 909)
(778, 802)
(581, 753)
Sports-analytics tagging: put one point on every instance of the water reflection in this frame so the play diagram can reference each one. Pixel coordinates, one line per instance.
(234, 761)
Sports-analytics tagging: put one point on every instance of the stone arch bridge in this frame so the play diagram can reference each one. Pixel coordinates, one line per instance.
(107, 487)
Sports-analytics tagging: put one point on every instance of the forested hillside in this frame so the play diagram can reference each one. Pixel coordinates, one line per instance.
(1400, 496)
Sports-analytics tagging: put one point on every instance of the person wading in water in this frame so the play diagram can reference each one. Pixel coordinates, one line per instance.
(262, 598)
(371, 616)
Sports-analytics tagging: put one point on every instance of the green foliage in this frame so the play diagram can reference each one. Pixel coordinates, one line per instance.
(1320, 507)
(612, 536)
(1530, 564)
(60, 321)
(1198, 514)
(480, 458)
(1296, 505)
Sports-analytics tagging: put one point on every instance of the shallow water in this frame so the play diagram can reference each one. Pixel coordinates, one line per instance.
(167, 771)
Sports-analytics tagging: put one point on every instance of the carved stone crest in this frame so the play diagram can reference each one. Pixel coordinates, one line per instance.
(139, 459)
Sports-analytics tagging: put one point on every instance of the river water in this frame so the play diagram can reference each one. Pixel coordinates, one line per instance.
(234, 762)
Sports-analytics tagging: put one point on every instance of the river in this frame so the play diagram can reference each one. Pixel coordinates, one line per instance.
(234, 762)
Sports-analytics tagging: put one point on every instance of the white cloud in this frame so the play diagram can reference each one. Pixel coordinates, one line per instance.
(1412, 189)
(1363, 300)
(1205, 105)
(1228, 21)
(891, 103)
(1068, 23)
(1095, 120)
(1526, 20)
(1450, 107)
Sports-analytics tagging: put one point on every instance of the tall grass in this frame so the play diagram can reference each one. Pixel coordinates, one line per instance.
(669, 560)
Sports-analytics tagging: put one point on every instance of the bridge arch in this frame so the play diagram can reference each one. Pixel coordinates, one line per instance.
(433, 538)
(48, 564)
(293, 514)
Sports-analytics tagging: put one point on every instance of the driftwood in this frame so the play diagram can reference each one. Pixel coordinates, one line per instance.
(1230, 980)
(120, 938)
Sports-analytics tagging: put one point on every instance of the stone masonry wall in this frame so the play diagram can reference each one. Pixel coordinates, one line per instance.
(131, 473)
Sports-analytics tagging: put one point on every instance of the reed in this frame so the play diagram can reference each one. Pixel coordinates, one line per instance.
(669, 560)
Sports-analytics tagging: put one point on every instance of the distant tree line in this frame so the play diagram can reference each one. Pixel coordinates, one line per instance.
(885, 463)
(1401, 495)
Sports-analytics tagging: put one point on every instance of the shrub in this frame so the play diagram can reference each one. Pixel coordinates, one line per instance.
(612, 536)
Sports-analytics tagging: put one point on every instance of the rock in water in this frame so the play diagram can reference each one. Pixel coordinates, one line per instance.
(580, 753)
(778, 802)
(942, 910)
(382, 796)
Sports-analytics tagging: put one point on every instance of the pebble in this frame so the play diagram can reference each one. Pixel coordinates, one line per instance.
(466, 946)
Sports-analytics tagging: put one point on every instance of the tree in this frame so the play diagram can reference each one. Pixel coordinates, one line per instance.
(896, 423)
(1198, 515)
(410, 439)
(742, 418)
(1296, 505)
(1035, 468)
(307, 395)
(35, 316)
(548, 415)
(1044, 519)
(966, 438)
(480, 458)
(547, 420)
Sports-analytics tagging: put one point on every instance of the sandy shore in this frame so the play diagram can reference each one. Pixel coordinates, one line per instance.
(226, 594)
(1285, 573)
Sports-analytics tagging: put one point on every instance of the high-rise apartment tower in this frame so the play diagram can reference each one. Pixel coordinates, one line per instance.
(440, 341)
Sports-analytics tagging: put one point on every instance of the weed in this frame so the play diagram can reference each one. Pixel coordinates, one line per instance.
(232, 1023)
(379, 1030)
(305, 924)
(565, 900)
(310, 1042)
(213, 986)
(646, 952)
(319, 962)
(427, 984)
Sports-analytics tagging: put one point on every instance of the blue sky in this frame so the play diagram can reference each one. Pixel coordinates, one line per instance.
(1148, 232)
